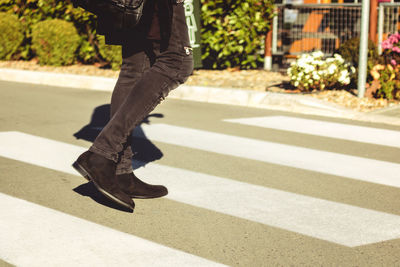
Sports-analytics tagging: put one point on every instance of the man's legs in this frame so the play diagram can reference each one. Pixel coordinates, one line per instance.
(137, 59)
(172, 67)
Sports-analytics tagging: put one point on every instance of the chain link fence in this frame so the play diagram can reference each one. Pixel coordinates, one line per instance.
(301, 28)
(310, 27)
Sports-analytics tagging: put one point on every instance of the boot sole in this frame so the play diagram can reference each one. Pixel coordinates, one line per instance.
(146, 197)
(86, 175)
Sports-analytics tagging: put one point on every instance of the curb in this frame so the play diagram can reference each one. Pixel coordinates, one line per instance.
(268, 100)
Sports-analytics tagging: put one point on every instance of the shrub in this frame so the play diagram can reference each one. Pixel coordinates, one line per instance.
(34, 11)
(388, 78)
(11, 35)
(55, 42)
(313, 72)
(233, 32)
(349, 50)
(110, 53)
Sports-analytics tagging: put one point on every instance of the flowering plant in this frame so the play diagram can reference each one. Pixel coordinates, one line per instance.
(313, 72)
(391, 49)
(386, 81)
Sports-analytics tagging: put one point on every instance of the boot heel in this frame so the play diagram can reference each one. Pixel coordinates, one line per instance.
(81, 170)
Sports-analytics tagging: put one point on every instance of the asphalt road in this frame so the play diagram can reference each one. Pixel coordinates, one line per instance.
(248, 187)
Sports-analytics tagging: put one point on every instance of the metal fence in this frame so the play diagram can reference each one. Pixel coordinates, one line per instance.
(309, 27)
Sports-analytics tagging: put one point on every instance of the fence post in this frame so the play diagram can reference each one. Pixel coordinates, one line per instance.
(268, 51)
(373, 20)
(380, 27)
(363, 55)
(275, 31)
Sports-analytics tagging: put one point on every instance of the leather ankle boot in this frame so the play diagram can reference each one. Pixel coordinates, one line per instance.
(101, 172)
(135, 188)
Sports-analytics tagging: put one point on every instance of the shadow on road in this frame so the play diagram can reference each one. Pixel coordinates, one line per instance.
(89, 190)
(144, 151)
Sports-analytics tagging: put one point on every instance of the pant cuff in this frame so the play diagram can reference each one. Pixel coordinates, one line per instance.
(102, 152)
(120, 171)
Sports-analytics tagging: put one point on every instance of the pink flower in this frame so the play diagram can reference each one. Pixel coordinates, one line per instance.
(396, 49)
(393, 62)
(393, 39)
(387, 44)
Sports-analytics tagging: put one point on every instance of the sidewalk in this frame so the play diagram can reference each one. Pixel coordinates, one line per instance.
(277, 101)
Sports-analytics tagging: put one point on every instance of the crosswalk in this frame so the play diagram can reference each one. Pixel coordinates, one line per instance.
(335, 222)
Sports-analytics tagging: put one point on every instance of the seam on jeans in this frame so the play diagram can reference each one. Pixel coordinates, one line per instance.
(151, 106)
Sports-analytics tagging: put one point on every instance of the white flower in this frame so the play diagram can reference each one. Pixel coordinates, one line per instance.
(318, 54)
(337, 56)
(312, 67)
(316, 76)
(332, 69)
(344, 75)
(302, 63)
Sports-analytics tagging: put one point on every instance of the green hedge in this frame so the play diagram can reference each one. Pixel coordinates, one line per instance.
(11, 35)
(233, 32)
(55, 42)
(34, 11)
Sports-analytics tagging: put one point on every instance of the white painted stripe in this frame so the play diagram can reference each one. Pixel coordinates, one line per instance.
(375, 171)
(324, 128)
(32, 235)
(335, 222)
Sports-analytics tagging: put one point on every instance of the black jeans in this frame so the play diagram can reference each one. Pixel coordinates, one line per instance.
(149, 72)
